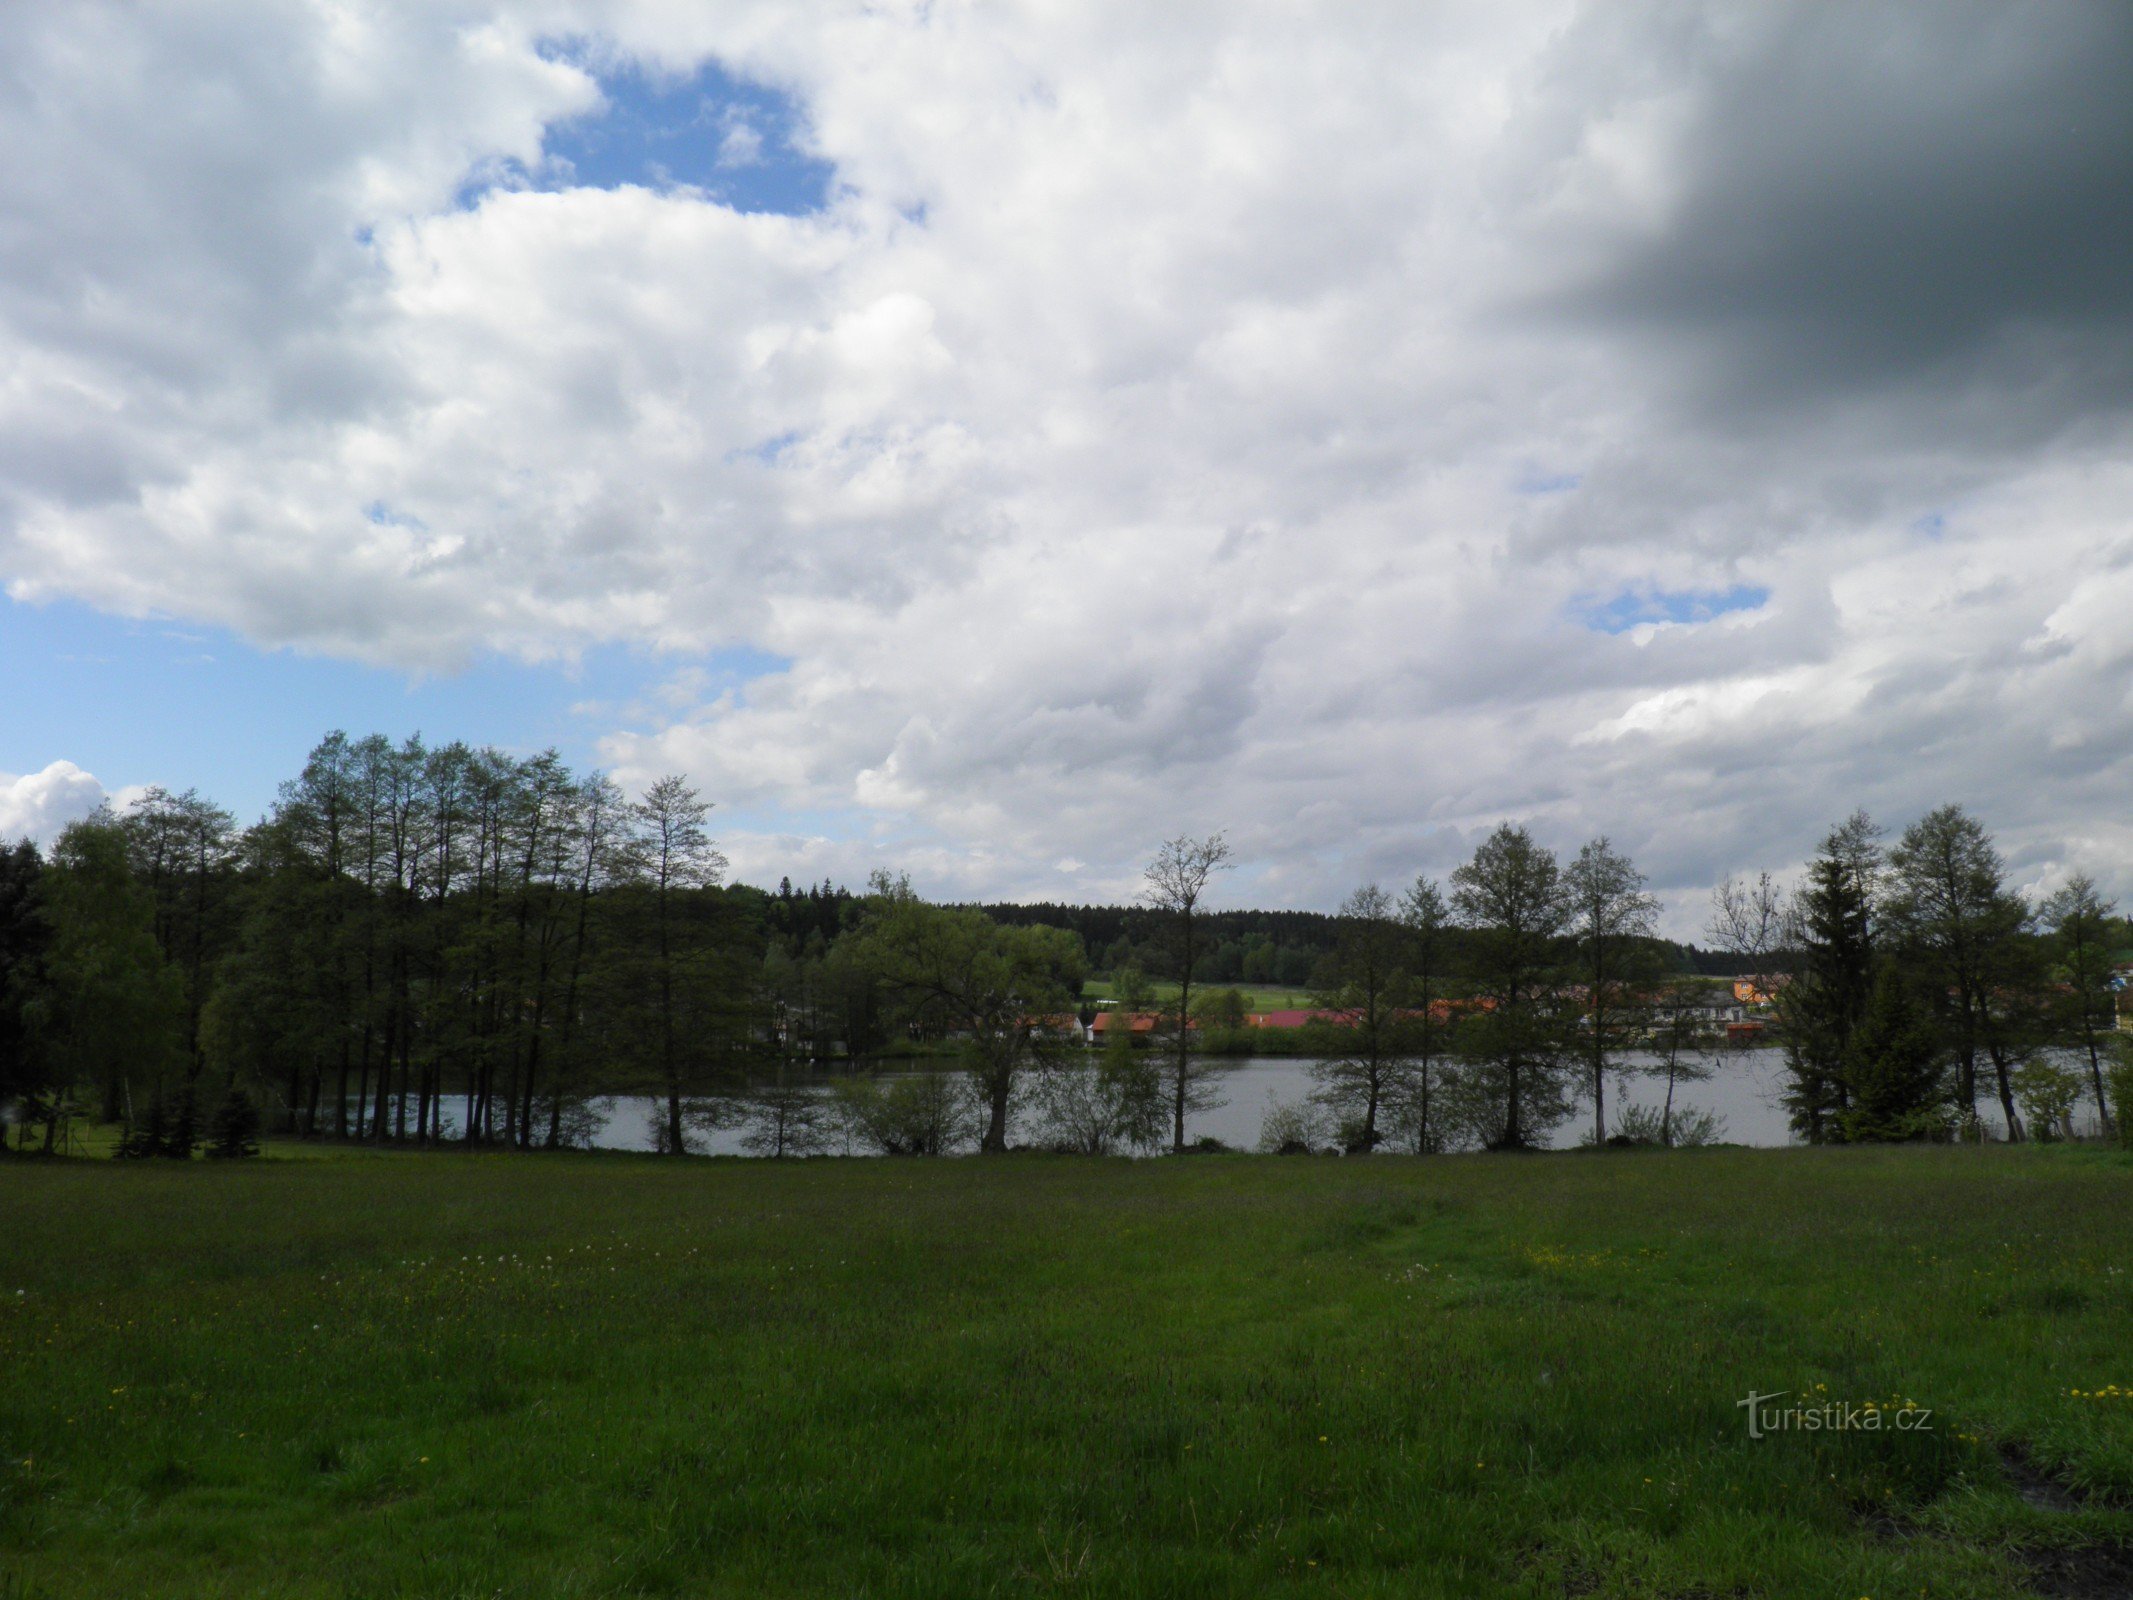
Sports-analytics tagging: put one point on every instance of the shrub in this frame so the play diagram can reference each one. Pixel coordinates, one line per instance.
(1292, 1127)
(2048, 1091)
(2121, 1090)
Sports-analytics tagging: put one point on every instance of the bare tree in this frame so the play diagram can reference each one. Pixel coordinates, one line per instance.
(1748, 921)
(1174, 884)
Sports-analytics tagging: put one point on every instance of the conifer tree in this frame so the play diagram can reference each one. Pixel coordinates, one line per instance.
(234, 1133)
(1895, 1067)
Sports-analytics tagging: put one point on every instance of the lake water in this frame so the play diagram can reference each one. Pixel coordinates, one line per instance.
(1743, 1090)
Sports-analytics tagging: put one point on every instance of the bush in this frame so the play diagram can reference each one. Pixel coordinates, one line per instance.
(2048, 1091)
(1647, 1125)
(2121, 1090)
(1291, 1128)
(915, 1114)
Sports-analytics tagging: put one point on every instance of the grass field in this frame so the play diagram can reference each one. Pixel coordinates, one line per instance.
(1473, 1376)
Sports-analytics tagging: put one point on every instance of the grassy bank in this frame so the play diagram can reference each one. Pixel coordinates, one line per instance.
(468, 1375)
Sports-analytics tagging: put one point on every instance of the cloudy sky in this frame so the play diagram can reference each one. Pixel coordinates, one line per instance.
(986, 439)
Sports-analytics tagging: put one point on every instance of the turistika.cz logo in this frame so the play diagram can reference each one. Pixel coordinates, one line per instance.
(1817, 1414)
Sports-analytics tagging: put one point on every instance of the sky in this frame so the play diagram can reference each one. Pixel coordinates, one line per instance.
(985, 440)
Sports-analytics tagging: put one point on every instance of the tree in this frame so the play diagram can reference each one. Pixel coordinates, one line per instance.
(1893, 1067)
(111, 1010)
(784, 1117)
(675, 854)
(183, 850)
(1960, 927)
(2048, 1091)
(1368, 1069)
(233, 1135)
(1417, 1113)
(1172, 887)
(1748, 922)
(1004, 990)
(913, 1114)
(1098, 1102)
(1682, 1043)
(2078, 920)
(273, 1014)
(1832, 926)
(25, 1078)
(1611, 916)
(1512, 901)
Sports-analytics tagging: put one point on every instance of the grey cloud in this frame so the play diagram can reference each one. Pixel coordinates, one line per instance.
(1889, 198)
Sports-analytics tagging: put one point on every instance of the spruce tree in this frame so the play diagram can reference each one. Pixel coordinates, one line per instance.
(1894, 1067)
(183, 1135)
(150, 1136)
(234, 1133)
(1833, 931)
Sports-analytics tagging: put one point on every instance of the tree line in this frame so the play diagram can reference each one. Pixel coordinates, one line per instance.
(448, 944)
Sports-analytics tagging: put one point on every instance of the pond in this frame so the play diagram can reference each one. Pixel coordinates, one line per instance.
(1743, 1090)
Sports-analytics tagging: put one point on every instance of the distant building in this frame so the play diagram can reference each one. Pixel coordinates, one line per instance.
(1759, 991)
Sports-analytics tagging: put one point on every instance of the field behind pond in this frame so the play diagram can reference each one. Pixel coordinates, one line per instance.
(595, 1375)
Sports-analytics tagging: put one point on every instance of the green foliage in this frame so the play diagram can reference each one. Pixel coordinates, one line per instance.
(1518, 1041)
(2047, 1091)
(910, 1114)
(233, 1135)
(110, 1010)
(1292, 1128)
(1895, 1068)
(2121, 1091)
(1652, 1125)
(1101, 1103)
(1008, 992)
(1822, 1005)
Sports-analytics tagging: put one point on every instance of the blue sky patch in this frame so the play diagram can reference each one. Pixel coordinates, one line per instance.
(741, 143)
(139, 702)
(1549, 482)
(1633, 608)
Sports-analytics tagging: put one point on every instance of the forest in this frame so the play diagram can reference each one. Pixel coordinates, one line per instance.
(422, 945)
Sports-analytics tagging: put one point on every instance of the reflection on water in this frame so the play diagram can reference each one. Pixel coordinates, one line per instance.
(1744, 1090)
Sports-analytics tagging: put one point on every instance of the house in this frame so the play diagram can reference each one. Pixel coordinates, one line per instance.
(1711, 1007)
(1758, 991)
(1139, 1025)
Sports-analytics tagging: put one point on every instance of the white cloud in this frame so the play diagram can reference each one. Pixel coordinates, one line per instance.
(36, 805)
(1142, 441)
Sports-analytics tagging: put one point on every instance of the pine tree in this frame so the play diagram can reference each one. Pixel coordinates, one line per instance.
(1833, 930)
(234, 1133)
(1894, 1067)
(148, 1137)
(182, 1137)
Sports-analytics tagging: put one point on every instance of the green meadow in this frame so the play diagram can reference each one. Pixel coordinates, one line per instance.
(1468, 1376)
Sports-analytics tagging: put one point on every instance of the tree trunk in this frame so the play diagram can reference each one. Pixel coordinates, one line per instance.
(2007, 1100)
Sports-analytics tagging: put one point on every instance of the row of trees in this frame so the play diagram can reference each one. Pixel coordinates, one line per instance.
(410, 925)
(425, 943)
(1910, 980)
(1920, 980)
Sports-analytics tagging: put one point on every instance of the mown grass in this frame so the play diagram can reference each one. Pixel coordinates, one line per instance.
(597, 1375)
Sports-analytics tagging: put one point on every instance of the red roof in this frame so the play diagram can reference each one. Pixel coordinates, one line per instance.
(1141, 1022)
